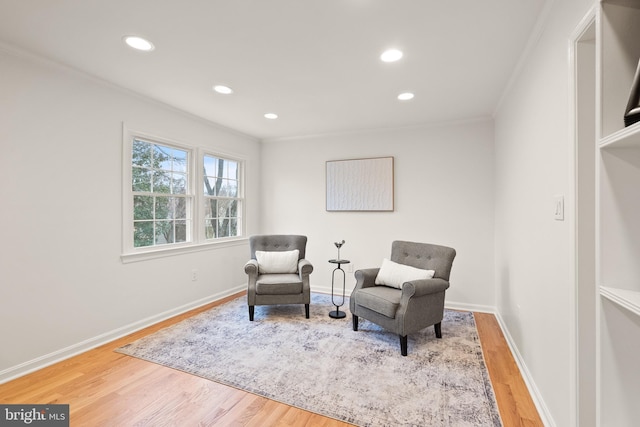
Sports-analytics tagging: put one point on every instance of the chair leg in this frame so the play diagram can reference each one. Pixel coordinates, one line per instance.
(438, 328)
(251, 308)
(306, 310)
(354, 320)
(403, 345)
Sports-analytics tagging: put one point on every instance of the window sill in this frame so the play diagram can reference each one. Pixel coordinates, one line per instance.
(155, 253)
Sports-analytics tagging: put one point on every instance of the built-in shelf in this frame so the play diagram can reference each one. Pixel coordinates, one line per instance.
(625, 138)
(617, 215)
(619, 53)
(623, 297)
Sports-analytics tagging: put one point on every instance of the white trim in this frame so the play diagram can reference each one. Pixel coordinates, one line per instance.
(627, 137)
(128, 135)
(91, 343)
(367, 131)
(573, 229)
(599, 119)
(463, 306)
(625, 298)
(196, 241)
(179, 250)
(241, 196)
(536, 396)
(575, 38)
(451, 305)
(17, 52)
(338, 290)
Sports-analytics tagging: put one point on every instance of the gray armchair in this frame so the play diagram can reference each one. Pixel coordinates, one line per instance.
(272, 285)
(418, 304)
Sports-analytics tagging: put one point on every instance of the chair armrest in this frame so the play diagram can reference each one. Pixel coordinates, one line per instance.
(304, 267)
(366, 277)
(424, 287)
(251, 267)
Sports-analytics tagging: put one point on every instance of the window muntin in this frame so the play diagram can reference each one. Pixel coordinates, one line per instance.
(222, 198)
(165, 210)
(160, 189)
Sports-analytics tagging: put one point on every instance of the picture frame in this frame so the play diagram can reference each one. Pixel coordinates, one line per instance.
(364, 185)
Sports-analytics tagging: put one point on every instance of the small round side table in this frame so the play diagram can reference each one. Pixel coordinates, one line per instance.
(337, 314)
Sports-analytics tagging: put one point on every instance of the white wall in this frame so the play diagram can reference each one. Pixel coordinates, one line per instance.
(534, 253)
(62, 280)
(443, 195)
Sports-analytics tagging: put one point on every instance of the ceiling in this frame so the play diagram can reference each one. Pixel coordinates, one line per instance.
(313, 62)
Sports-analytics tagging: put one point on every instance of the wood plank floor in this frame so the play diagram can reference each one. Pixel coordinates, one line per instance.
(105, 388)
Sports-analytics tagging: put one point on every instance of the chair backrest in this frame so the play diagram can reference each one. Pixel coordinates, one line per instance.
(277, 242)
(425, 256)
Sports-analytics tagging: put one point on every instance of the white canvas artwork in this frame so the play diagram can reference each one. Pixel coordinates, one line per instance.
(360, 185)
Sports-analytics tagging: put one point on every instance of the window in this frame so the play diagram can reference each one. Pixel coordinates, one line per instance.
(221, 194)
(162, 209)
(161, 203)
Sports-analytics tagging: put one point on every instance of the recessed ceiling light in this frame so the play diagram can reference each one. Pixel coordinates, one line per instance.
(225, 90)
(139, 43)
(405, 96)
(391, 55)
(271, 116)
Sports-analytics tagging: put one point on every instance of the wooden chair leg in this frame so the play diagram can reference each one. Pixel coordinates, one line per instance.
(354, 319)
(251, 310)
(306, 310)
(403, 345)
(438, 328)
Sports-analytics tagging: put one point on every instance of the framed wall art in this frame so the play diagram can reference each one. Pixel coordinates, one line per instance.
(360, 185)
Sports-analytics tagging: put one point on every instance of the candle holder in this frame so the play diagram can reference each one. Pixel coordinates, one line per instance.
(337, 314)
(338, 245)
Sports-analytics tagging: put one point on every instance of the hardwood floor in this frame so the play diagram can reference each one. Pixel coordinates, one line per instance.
(514, 401)
(104, 388)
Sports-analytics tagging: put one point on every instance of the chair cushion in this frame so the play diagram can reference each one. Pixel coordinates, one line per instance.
(394, 274)
(278, 284)
(381, 299)
(277, 261)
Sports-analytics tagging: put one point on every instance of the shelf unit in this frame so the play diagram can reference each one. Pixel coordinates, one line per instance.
(625, 138)
(626, 299)
(618, 195)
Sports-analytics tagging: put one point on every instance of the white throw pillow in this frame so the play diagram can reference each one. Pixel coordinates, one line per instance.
(394, 274)
(277, 262)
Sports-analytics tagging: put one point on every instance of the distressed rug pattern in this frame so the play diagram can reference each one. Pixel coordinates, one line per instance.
(321, 365)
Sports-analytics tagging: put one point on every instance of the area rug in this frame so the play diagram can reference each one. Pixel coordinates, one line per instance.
(321, 365)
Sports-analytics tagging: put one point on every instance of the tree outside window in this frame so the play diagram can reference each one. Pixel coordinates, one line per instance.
(161, 204)
(163, 208)
(222, 197)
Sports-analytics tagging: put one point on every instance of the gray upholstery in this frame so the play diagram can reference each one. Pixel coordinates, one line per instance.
(420, 303)
(270, 289)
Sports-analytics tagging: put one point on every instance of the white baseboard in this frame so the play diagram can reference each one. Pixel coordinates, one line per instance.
(327, 290)
(538, 401)
(463, 306)
(545, 415)
(453, 305)
(81, 347)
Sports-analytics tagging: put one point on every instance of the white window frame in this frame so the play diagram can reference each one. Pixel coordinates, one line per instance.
(195, 193)
(240, 196)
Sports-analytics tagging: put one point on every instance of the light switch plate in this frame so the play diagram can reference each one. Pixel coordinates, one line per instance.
(559, 208)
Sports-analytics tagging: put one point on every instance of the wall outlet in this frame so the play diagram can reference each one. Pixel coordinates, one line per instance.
(194, 275)
(350, 268)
